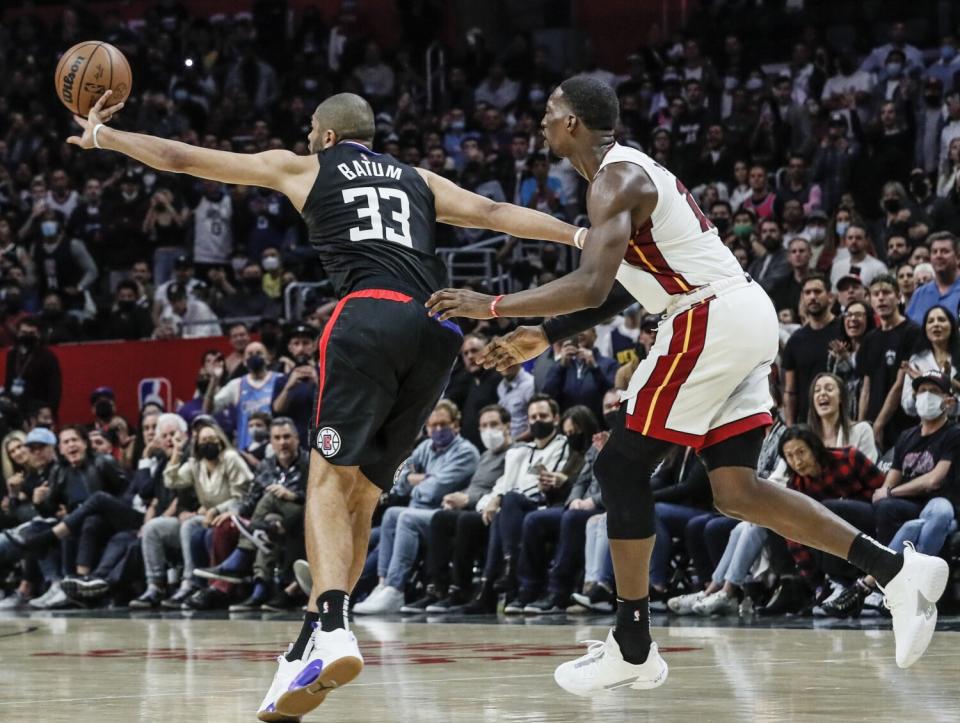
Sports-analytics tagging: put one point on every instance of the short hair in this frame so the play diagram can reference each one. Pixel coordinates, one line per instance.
(888, 279)
(554, 407)
(348, 115)
(128, 284)
(172, 418)
(721, 202)
(801, 239)
(594, 102)
(282, 422)
(504, 414)
(264, 417)
(817, 276)
(445, 405)
(943, 236)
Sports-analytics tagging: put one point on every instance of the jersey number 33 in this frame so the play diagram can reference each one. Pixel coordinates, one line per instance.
(388, 212)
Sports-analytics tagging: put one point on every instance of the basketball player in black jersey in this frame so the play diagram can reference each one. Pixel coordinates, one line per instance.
(383, 360)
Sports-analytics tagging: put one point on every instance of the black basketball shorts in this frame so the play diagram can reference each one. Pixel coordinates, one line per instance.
(383, 364)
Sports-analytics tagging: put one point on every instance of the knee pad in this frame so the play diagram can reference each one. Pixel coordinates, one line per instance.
(625, 487)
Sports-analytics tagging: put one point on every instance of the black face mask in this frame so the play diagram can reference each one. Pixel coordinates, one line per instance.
(892, 205)
(253, 284)
(202, 384)
(610, 419)
(722, 224)
(542, 430)
(103, 409)
(126, 306)
(256, 363)
(28, 341)
(577, 441)
(208, 450)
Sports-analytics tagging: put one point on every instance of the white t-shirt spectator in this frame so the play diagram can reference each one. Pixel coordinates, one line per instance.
(66, 207)
(500, 96)
(198, 321)
(160, 293)
(859, 81)
(212, 232)
(869, 267)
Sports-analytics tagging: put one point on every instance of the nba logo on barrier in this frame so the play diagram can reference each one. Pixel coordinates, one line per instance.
(328, 441)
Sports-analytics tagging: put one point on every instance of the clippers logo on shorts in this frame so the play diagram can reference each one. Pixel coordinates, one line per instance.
(328, 441)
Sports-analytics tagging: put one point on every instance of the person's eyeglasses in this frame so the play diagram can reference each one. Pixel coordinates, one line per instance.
(855, 315)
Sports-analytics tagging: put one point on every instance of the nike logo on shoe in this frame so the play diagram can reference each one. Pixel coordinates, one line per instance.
(925, 607)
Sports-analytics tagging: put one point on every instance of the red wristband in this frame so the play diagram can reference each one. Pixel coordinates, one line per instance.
(493, 307)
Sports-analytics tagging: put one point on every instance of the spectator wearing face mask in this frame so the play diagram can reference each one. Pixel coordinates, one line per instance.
(272, 265)
(33, 372)
(123, 217)
(249, 299)
(294, 392)
(126, 319)
(249, 394)
(62, 264)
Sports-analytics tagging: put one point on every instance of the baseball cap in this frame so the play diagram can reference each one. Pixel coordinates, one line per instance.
(182, 262)
(40, 435)
(933, 377)
(838, 119)
(101, 392)
(818, 214)
(848, 280)
(301, 330)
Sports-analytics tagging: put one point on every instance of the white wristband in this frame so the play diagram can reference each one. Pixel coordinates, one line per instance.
(96, 129)
(577, 240)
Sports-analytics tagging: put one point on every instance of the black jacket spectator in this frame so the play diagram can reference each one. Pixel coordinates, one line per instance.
(70, 486)
(293, 478)
(33, 372)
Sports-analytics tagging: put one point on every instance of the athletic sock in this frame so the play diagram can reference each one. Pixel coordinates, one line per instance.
(332, 605)
(300, 645)
(875, 559)
(238, 561)
(632, 631)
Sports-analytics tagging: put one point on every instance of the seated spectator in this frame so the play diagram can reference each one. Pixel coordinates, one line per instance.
(250, 393)
(457, 533)
(542, 191)
(913, 505)
(761, 199)
(15, 457)
(190, 318)
(442, 464)
(514, 393)
(938, 349)
(59, 327)
(125, 319)
(294, 393)
(220, 479)
(944, 288)
(844, 481)
(582, 375)
(274, 507)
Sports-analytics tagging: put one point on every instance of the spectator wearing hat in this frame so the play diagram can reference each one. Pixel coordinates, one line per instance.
(857, 262)
(833, 162)
(944, 288)
(295, 390)
(63, 265)
(33, 372)
(183, 274)
(850, 289)
(190, 318)
(125, 319)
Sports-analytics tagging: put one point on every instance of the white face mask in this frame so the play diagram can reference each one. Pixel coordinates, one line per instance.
(492, 438)
(929, 406)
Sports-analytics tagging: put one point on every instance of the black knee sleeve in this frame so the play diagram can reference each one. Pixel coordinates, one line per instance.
(740, 451)
(625, 486)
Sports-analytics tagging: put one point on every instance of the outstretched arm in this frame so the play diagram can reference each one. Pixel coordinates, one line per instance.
(466, 209)
(279, 170)
(618, 191)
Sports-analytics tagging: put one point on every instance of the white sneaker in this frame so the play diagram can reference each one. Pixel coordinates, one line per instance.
(683, 604)
(282, 679)
(382, 601)
(331, 661)
(301, 571)
(15, 601)
(53, 598)
(911, 596)
(718, 603)
(873, 603)
(603, 670)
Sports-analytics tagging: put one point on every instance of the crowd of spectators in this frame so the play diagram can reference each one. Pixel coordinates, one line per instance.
(831, 171)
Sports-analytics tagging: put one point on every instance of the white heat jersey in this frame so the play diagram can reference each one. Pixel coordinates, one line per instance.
(678, 249)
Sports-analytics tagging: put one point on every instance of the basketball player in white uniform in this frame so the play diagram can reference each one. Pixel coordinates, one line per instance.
(704, 383)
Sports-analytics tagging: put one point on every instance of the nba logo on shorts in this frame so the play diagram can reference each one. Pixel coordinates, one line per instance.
(328, 441)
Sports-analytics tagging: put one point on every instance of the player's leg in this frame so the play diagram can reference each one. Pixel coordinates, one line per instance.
(913, 582)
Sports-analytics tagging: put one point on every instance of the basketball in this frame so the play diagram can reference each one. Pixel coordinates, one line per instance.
(89, 69)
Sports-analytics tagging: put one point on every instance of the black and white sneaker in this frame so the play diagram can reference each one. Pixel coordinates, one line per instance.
(551, 604)
(848, 603)
(516, 606)
(451, 603)
(84, 587)
(600, 599)
(421, 604)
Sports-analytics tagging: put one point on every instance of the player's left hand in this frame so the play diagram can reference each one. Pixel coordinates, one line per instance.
(450, 303)
(98, 114)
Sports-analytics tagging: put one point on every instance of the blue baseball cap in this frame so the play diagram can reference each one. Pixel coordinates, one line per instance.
(40, 435)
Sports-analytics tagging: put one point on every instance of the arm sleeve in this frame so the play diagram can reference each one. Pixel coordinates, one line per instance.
(561, 327)
(178, 476)
(238, 476)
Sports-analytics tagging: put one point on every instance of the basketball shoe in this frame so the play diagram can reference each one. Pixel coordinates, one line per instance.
(911, 597)
(331, 660)
(603, 670)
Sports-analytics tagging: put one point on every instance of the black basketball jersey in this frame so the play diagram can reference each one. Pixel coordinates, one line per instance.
(371, 220)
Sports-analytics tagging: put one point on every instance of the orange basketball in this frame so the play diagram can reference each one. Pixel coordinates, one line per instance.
(87, 71)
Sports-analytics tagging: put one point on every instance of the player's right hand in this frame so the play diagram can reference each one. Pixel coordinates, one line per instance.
(524, 342)
(98, 114)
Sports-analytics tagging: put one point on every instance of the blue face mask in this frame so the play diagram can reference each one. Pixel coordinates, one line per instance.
(49, 228)
(442, 438)
(894, 69)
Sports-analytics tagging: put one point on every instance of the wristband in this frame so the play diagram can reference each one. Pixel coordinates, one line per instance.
(577, 240)
(493, 307)
(96, 129)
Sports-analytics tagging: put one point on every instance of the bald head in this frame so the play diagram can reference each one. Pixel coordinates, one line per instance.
(347, 116)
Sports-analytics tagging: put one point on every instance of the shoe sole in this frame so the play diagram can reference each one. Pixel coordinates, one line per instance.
(274, 717)
(254, 540)
(434, 610)
(637, 685)
(303, 577)
(221, 578)
(299, 702)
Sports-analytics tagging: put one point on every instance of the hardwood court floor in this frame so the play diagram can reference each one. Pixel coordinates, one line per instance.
(77, 669)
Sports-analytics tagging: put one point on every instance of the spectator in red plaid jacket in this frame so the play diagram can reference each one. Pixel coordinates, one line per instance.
(842, 479)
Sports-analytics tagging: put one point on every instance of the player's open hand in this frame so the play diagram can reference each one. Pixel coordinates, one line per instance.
(450, 303)
(524, 342)
(98, 114)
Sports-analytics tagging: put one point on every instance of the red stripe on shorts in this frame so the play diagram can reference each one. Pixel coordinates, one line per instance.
(383, 294)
